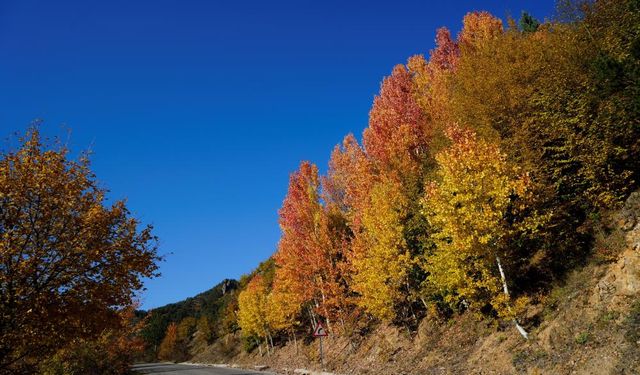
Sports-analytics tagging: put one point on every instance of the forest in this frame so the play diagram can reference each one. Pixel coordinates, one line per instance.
(475, 188)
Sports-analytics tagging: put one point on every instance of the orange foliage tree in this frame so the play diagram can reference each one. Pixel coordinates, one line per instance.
(376, 189)
(66, 260)
(311, 249)
(478, 28)
(111, 353)
(169, 345)
(431, 80)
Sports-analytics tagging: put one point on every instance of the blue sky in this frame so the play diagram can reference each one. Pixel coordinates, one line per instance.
(197, 111)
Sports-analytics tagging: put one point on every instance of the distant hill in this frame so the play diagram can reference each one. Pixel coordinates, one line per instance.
(211, 303)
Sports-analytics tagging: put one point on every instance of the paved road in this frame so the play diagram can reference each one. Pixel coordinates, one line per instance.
(175, 369)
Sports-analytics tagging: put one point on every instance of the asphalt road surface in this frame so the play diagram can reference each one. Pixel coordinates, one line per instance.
(176, 369)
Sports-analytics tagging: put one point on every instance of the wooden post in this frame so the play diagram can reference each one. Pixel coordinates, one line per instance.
(321, 355)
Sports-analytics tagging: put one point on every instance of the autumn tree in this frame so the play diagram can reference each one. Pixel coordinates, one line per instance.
(229, 318)
(349, 180)
(380, 256)
(478, 28)
(431, 79)
(205, 329)
(560, 104)
(389, 228)
(607, 144)
(285, 305)
(311, 249)
(375, 189)
(473, 204)
(186, 329)
(169, 346)
(300, 251)
(111, 353)
(397, 135)
(67, 261)
(252, 311)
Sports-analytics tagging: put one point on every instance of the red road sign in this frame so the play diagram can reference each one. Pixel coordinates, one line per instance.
(320, 331)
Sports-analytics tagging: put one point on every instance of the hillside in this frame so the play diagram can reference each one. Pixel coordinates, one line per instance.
(486, 221)
(588, 324)
(210, 305)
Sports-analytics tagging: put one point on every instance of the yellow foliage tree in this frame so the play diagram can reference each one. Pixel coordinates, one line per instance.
(186, 328)
(469, 204)
(252, 310)
(381, 260)
(284, 305)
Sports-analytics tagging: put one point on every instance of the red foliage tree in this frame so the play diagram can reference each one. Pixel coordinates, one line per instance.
(396, 138)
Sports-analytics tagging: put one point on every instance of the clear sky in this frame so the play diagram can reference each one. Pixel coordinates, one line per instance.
(197, 111)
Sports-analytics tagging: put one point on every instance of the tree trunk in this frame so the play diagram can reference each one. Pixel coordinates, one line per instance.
(505, 289)
(295, 340)
(312, 316)
(413, 314)
(324, 305)
(426, 306)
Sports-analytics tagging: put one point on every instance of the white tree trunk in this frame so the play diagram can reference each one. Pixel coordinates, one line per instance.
(505, 289)
(295, 340)
(324, 305)
(312, 316)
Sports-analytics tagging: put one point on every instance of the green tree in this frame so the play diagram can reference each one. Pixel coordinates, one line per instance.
(528, 23)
